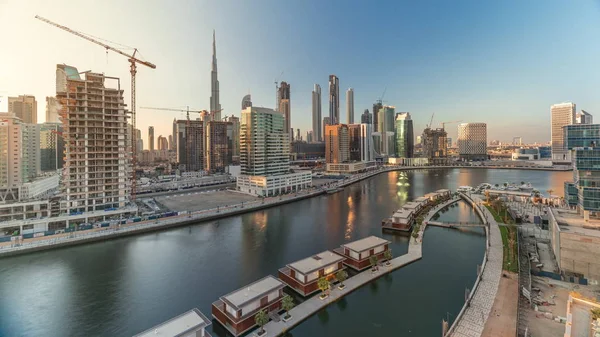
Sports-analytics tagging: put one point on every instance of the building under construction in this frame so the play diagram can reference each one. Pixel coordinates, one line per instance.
(190, 145)
(435, 145)
(218, 145)
(97, 168)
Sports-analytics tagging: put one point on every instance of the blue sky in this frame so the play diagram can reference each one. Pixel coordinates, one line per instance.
(500, 62)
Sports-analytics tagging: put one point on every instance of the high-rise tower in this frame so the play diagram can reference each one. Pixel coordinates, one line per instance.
(334, 100)
(350, 106)
(285, 107)
(316, 114)
(562, 114)
(215, 105)
(151, 138)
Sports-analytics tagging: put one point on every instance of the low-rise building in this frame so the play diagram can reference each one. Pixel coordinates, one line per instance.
(349, 168)
(357, 253)
(579, 317)
(268, 186)
(303, 275)
(236, 310)
(190, 324)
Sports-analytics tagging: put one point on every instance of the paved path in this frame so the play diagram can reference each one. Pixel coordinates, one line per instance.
(472, 321)
(309, 307)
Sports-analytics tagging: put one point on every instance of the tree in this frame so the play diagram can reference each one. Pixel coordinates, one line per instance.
(341, 276)
(323, 284)
(261, 318)
(496, 185)
(287, 303)
(522, 183)
(388, 255)
(596, 314)
(373, 261)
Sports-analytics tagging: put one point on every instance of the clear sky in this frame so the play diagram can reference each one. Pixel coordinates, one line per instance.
(499, 62)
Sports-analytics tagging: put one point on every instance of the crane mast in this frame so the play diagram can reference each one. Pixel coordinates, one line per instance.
(133, 61)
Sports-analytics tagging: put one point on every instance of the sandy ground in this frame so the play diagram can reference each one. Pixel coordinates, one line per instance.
(502, 321)
(197, 201)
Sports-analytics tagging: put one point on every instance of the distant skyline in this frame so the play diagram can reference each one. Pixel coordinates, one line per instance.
(501, 63)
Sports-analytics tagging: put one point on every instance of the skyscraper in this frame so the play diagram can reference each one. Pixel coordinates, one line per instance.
(52, 108)
(337, 144)
(350, 106)
(218, 149)
(265, 155)
(10, 156)
(386, 130)
(366, 117)
(24, 108)
(354, 142)
(162, 143)
(583, 117)
(326, 121)
(235, 138)
(215, 105)
(285, 106)
(190, 145)
(97, 172)
(52, 147)
(472, 141)
(316, 114)
(366, 143)
(404, 135)
(246, 102)
(435, 145)
(562, 114)
(151, 138)
(334, 100)
(376, 106)
(31, 166)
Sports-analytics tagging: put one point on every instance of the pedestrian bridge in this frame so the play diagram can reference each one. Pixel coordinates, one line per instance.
(455, 224)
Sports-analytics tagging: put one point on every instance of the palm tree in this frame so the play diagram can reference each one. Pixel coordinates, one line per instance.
(373, 261)
(341, 276)
(522, 183)
(388, 256)
(287, 303)
(261, 318)
(323, 284)
(496, 185)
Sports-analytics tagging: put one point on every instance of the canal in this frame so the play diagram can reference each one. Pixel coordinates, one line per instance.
(123, 286)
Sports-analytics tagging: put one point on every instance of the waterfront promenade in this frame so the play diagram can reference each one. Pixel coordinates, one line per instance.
(311, 306)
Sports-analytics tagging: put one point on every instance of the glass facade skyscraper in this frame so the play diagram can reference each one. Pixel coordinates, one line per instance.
(582, 141)
(404, 135)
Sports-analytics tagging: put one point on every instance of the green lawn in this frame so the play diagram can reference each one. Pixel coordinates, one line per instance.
(509, 260)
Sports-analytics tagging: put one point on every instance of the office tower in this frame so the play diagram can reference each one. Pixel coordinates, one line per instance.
(449, 140)
(435, 145)
(350, 106)
(52, 108)
(246, 102)
(30, 167)
(386, 130)
(139, 148)
(334, 100)
(583, 117)
(472, 141)
(562, 114)
(298, 136)
(10, 156)
(190, 145)
(583, 140)
(174, 134)
(97, 170)
(163, 144)
(24, 107)
(316, 114)
(326, 121)
(354, 142)
(309, 137)
(215, 105)
(52, 147)
(337, 143)
(218, 147)
(235, 137)
(404, 135)
(366, 142)
(285, 107)
(376, 106)
(151, 138)
(170, 142)
(265, 155)
(366, 117)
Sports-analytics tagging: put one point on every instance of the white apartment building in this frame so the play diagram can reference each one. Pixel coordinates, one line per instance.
(472, 141)
(97, 169)
(562, 114)
(10, 151)
(31, 165)
(265, 155)
(367, 151)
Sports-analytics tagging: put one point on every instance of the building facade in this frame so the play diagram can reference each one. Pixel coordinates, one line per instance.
(11, 154)
(350, 106)
(583, 140)
(435, 145)
(334, 100)
(366, 143)
(235, 138)
(405, 138)
(562, 114)
(218, 146)
(151, 138)
(303, 276)
(24, 107)
(285, 107)
(337, 144)
(215, 104)
(246, 102)
(190, 145)
(52, 108)
(376, 106)
(472, 141)
(326, 121)
(583, 117)
(97, 170)
(163, 143)
(354, 142)
(52, 147)
(366, 117)
(316, 114)
(31, 165)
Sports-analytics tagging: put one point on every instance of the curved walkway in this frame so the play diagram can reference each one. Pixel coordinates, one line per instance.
(471, 319)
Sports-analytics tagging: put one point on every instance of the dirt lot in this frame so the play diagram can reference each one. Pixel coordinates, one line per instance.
(197, 201)
(502, 321)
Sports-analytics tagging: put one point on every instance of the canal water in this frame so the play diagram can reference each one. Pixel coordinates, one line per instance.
(124, 286)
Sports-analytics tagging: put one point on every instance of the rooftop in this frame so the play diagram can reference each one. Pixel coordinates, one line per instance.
(443, 190)
(403, 214)
(421, 199)
(185, 323)
(411, 205)
(316, 262)
(254, 290)
(571, 222)
(365, 244)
